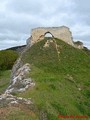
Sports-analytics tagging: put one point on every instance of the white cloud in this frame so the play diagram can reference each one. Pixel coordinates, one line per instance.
(81, 30)
(18, 17)
(10, 43)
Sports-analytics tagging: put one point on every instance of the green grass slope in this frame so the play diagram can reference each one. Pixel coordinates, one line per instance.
(62, 80)
(7, 59)
(62, 77)
(4, 80)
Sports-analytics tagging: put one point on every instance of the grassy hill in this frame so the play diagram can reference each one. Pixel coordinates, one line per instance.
(62, 77)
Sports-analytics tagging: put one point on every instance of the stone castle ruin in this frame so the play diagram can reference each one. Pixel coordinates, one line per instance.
(62, 33)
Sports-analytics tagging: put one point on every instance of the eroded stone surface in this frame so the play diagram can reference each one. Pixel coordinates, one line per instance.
(8, 99)
(61, 32)
(20, 81)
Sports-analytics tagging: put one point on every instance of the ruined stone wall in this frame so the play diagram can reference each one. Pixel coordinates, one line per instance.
(62, 33)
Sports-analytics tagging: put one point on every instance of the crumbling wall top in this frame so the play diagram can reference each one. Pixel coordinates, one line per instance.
(62, 32)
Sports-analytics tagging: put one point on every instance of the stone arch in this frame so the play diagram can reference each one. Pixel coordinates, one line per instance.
(48, 35)
(62, 33)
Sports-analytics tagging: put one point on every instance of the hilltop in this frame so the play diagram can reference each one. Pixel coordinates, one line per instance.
(61, 73)
(61, 76)
(50, 77)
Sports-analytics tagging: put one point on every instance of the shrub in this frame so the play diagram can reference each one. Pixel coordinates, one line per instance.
(7, 59)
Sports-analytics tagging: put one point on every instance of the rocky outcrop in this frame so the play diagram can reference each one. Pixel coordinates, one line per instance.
(18, 64)
(78, 45)
(8, 100)
(20, 81)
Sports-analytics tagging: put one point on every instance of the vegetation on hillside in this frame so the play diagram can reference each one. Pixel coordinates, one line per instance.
(4, 80)
(62, 81)
(7, 59)
(87, 50)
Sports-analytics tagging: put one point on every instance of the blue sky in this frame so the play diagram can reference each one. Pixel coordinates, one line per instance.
(18, 17)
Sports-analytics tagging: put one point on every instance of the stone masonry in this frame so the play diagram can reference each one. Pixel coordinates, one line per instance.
(62, 33)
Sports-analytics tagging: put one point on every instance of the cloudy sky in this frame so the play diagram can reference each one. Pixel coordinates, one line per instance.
(18, 17)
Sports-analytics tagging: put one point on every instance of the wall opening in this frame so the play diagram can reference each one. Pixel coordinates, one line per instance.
(48, 35)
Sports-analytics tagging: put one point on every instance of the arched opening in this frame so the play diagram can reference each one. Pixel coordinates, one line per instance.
(48, 35)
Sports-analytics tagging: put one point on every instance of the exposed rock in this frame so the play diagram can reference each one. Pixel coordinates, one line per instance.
(8, 99)
(16, 66)
(20, 81)
(79, 89)
(46, 44)
(78, 45)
